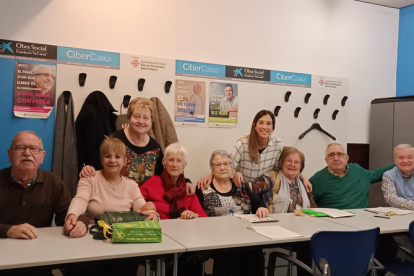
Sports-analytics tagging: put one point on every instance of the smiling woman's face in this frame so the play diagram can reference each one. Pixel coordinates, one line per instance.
(174, 163)
(292, 165)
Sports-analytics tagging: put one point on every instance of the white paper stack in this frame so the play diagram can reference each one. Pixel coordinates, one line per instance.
(274, 232)
(255, 219)
(334, 213)
(397, 211)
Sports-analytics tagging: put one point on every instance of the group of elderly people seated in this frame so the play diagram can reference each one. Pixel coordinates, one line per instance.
(259, 176)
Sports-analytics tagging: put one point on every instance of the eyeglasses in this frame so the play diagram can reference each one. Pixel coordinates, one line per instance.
(339, 154)
(291, 162)
(218, 165)
(32, 148)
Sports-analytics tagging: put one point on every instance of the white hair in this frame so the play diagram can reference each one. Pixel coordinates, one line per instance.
(42, 68)
(175, 148)
(334, 144)
(14, 139)
(222, 153)
(401, 146)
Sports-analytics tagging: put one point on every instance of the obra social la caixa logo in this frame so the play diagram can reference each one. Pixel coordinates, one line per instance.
(6, 46)
(238, 72)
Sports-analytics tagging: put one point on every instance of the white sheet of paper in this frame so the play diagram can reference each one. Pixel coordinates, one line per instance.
(254, 219)
(333, 213)
(274, 232)
(384, 210)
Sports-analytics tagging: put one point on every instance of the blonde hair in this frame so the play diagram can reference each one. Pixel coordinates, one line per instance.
(288, 151)
(142, 103)
(114, 144)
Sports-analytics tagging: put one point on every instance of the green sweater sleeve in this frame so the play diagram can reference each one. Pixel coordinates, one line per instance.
(376, 175)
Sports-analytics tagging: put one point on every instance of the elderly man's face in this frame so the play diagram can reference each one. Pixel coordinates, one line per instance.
(197, 89)
(229, 92)
(336, 158)
(404, 159)
(45, 79)
(26, 160)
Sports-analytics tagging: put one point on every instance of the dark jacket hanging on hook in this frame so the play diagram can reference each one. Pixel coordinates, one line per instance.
(65, 160)
(95, 120)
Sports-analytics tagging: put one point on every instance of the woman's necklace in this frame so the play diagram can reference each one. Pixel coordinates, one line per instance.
(110, 185)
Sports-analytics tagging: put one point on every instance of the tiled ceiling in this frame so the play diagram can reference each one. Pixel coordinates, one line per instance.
(390, 3)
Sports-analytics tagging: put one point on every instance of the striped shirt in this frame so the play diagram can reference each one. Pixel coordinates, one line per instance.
(268, 159)
(391, 197)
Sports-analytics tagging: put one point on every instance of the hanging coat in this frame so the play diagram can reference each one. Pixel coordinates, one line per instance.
(65, 159)
(95, 121)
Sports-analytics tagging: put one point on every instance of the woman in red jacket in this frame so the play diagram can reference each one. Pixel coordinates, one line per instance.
(168, 190)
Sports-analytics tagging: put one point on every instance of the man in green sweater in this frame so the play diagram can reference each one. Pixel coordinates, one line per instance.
(341, 185)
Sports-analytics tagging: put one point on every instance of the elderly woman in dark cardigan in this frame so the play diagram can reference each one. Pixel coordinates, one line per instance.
(223, 198)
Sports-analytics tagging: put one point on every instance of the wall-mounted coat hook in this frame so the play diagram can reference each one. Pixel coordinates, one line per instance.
(287, 95)
(167, 86)
(316, 113)
(112, 81)
(334, 114)
(307, 96)
(325, 99)
(276, 111)
(125, 101)
(82, 79)
(297, 110)
(141, 83)
(66, 96)
(344, 100)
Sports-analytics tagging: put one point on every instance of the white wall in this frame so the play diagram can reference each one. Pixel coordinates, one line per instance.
(339, 38)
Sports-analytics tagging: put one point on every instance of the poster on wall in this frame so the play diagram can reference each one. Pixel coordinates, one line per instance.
(190, 99)
(224, 104)
(34, 89)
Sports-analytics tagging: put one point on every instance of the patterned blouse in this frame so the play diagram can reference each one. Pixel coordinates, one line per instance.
(236, 201)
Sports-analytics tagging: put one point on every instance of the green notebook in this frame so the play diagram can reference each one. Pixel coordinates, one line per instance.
(316, 214)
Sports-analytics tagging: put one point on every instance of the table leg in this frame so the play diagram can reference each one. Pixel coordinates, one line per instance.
(175, 265)
(147, 268)
(158, 267)
(163, 267)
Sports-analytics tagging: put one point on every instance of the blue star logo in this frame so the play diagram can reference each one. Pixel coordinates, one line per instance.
(238, 72)
(6, 46)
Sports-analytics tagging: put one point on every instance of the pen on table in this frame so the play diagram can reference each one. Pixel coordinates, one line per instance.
(378, 216)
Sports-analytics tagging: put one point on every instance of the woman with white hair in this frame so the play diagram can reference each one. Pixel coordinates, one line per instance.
(168, 190)
(222, 197)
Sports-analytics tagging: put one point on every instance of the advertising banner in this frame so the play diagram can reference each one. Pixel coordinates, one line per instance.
(27, 50)
(190, 99)
(34, 89)
(90, 58)
(223, 105)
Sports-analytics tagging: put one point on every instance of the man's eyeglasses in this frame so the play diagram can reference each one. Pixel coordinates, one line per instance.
(218, 165)
(339, 154)
(33, 149)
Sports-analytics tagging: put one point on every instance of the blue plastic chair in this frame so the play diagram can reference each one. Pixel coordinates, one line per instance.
(340, 253)
(406, 268)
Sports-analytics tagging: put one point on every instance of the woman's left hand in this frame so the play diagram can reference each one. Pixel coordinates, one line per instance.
(187, 214)
(149, 206)
(306, 183)
(152, 216)
(262, 212)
